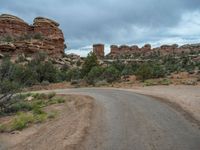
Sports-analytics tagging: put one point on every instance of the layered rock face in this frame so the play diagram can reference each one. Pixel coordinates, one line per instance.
(147, 50)
(98, 49)
(17, 37)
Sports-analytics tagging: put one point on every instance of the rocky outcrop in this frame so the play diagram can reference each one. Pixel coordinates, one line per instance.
(12, 26)
(17, 37)
(98, 49)
(147, 49)
(123, 49)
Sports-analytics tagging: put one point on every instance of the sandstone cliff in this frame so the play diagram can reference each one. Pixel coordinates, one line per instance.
(147, 50)
(17, 36)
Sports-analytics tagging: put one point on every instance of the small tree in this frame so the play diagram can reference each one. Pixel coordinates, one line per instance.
(8, 85)
(90, 62)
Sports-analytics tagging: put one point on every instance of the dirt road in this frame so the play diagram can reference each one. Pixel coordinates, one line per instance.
(127, 121)
(124, 120)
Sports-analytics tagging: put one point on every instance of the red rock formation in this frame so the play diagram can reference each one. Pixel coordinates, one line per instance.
(147, 50)
(12, 26)
(98, 49)
(18, 37)
(114, 49)
(135, 49)
(124, 49)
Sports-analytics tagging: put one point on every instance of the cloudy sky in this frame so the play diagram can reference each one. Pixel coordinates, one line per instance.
(85, 22)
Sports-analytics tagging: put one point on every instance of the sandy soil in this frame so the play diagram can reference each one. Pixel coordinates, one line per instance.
(64, 132)
(187, 97)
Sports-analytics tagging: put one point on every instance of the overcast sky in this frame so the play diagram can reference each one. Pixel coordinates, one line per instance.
(85, 22)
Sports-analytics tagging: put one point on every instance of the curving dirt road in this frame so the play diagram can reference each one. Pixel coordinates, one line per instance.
(124, 120)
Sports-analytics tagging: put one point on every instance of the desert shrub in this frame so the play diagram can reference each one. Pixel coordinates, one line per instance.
(165, 82)
(94, 74)
(171, 64)
(38, 36)
(73, 74)
(43, 70)
(45, 83)
(38, 111)
(21, 58)
(40, 96)
(111, 74)
(20, 106)
(51, 95)
(144, 72)
(129, 69)
(101, 83)
(158, 70)
(8, 39)
(2, 128)
(7, 90)
(150, 82)
(40, 118)
(118, 65)
(60, 100)
(21, 121)
(90, 62)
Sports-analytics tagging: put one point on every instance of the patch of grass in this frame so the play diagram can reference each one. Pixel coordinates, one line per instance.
(21, 121)
(40, 96)
(2, 128)
(51, 95)
(39, 118)
(56, 100)
(60, 100)
(153, 82)
(149, 83)
(30, 112)
(165, 82)
(52, 115)
(38, 111)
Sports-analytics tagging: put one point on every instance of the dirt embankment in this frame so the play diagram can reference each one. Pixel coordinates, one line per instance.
(65, 132)
(184, 97)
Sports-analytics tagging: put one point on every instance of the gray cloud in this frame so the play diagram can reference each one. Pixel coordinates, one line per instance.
(113, 21)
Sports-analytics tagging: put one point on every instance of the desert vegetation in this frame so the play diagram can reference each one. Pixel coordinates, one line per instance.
(27, 109)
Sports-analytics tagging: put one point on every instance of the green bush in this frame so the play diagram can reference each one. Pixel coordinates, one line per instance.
(158, 70)
(111, 74)
(90, 62)
(73, 74)
(94, 75)
(118, 65)
(129, 69)
(20, 106)
(144, 72)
